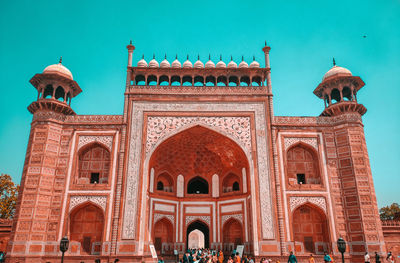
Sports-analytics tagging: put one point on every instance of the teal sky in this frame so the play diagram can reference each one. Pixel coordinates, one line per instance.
(304, 36)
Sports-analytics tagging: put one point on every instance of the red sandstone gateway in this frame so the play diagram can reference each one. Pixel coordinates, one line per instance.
(197, 159)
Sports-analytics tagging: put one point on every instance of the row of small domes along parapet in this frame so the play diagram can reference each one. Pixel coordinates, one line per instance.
(198, 64)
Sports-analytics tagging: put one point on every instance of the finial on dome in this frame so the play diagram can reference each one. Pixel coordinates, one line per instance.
(334, 62)
(265, 42)
(254, 58)
(209, 56)
(220, 57)
(165, 57)
(130, 42)
(154, 56)
(187, 57)
(176, 57)
(60, 62)
(242, 58)
(198, 56)
(231, 57)
(142, 56)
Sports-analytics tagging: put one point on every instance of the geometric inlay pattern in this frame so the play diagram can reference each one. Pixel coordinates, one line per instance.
(307, 140)
(296, 201)
(106, 140)
(96, 199)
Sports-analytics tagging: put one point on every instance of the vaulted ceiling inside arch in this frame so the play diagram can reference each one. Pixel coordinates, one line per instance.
(198, 151)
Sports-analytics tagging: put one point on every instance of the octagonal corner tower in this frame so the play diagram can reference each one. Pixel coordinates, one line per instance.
(197, 159)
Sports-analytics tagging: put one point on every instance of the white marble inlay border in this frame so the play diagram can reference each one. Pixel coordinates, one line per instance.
(135, 151)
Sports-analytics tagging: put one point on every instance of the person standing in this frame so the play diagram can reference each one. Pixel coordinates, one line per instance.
(327, 258)
(377, 258)
(292, 258)
(367, 258)
(311, 259)
(220, 256)
(390, 257)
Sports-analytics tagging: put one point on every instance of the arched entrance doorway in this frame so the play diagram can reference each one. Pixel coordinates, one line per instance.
(200, 227)
(310, 227)
(232, 234)
(86, 227)
(162, 234)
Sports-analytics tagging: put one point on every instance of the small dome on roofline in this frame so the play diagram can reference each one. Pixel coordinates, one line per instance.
(220, 63)
(142, 63)
(58, 69)
(176, 63)
(254, 64)
(153, 63)
(165, 63)
(187, 63)
(232, 64)
(198, 63)
(243, 64)
(209, 63)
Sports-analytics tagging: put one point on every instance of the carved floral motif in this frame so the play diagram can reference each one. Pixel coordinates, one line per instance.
(296, 201)
(96, 199)
(106, 140)
(225, 218)
(307, 140)
(158, 216)
(206, 219)
(159, 127)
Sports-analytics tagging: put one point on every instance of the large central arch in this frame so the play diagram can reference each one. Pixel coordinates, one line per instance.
(189, 172)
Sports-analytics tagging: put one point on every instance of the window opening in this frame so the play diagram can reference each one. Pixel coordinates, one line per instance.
(301, 178)
(160, 186)
(94, 178)
(235, 186)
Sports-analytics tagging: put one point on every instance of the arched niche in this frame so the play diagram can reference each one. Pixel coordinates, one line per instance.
(232, 232)
(197, 152)
(197, 185)
(162, 233)
(231, 183)
(302, 165)
(164, 183)
(94, 163)
(86, 227)
(310, 226)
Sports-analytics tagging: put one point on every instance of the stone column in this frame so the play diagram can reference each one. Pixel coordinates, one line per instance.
(130, 48)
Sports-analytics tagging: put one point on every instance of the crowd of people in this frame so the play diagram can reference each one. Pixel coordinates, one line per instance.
(215, 256)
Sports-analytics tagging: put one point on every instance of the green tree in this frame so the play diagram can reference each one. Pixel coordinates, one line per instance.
(390, 212)
(8, 197)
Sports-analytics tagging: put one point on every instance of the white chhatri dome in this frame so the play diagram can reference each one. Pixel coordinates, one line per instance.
(232, 64)
(243, 64)
(209, 63)
(335, 70)
(220, 63)
(142, 63)
(187, 63)
(254, 64)
(198, 63)
(153, 63)
(58, 69)
(165, 63)
(176, 63)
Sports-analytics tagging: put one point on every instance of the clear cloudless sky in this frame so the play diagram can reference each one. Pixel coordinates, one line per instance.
(304, 36)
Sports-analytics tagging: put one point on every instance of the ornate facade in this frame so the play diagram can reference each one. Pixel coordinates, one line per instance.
(196, 152)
